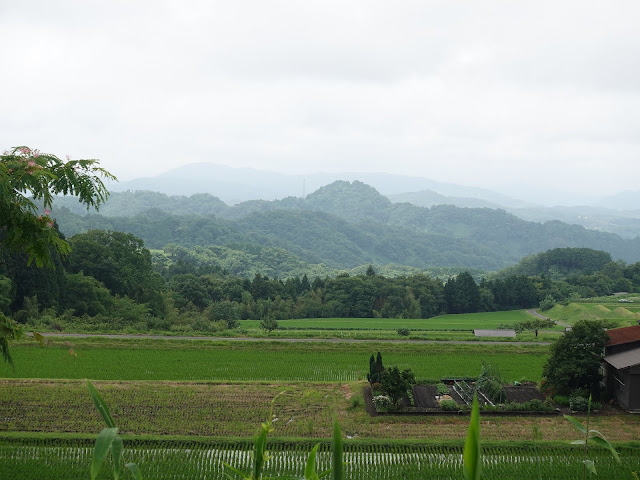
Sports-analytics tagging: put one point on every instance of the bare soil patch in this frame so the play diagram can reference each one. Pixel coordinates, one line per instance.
(522, 393)
(424, 396)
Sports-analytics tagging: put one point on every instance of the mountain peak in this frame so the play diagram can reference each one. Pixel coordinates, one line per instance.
(353, 200)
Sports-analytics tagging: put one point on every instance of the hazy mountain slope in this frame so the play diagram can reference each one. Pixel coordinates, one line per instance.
(627, 200)
(429, 198)
(128, 204)
(235, 185)
(624, 223)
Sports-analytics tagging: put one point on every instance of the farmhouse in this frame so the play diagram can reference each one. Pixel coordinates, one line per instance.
(622, 366)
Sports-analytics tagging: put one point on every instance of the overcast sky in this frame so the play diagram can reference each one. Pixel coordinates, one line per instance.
(508, 95)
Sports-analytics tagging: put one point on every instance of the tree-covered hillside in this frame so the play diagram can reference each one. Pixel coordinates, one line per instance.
(344, 225)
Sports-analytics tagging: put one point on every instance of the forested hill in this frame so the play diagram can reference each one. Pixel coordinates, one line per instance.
(343, 225)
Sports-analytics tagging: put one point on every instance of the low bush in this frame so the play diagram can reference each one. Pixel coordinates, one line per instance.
(356, 401)
(449, 406)
(442, 388)
(581, 404)
(561, 400)
(578, 404)
(404, 332)
(382, 402)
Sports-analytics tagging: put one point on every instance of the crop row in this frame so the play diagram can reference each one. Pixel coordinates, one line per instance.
(236, 409)
(168, 409)
(174, 460)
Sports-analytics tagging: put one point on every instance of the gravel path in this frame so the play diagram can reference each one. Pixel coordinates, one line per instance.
(250, 339)
(537, 315)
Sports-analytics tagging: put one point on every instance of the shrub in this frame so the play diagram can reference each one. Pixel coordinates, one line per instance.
(382, 402)
(375, 369)
(404, 332)
(578, 404)
(536, 405)
(356, 401)
(396, 384)
(547, 303)
(449, 406)
(442, 388)
(268, 324)
(561, 400)
(232, 323)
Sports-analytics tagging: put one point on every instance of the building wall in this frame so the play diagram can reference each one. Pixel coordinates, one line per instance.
(620, 392)
(634, 388)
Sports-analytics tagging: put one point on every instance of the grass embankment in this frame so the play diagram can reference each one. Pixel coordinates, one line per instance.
(623, 314)
(136, 359)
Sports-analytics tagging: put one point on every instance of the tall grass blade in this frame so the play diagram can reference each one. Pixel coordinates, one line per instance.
(234, 470)
(472, 455)
(101, 405)
(102, 447)
(259, 456)
(336, 453)
(135, 471)
(581, 428)
(310, 469)
(116, 454)
(591, 467)
(599, 440)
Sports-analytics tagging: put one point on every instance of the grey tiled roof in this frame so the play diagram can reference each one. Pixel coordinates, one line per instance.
(624, 359)
(495, 333)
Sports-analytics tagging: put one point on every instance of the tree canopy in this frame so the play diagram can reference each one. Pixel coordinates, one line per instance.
(27, 176)
(575, 358)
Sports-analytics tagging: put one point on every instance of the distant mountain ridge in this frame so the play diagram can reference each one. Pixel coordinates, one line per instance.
(618, 214)
(235, 185)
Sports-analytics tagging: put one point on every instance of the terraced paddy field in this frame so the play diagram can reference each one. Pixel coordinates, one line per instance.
(197, 360)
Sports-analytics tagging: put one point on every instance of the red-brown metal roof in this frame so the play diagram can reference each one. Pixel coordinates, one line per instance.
(619, 336)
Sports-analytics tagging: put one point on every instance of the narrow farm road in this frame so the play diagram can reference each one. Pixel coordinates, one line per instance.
(262, 339)
(537, 315)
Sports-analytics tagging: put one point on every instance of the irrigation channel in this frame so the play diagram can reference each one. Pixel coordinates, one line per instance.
(363, 461)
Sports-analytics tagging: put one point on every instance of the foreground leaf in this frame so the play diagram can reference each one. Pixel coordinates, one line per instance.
(472, 455)
(135, 471)
(310, 469)
(102, 447)
(576, 424)
(336, 453)
(603, 442)
(101, 405)
(116, 454)
(235, 470)
(591, 467)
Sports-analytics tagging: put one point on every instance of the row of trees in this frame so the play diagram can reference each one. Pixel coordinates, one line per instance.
(110, 275)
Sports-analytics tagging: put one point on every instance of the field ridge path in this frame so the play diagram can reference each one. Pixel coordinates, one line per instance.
(263, 339)
(542, 317)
